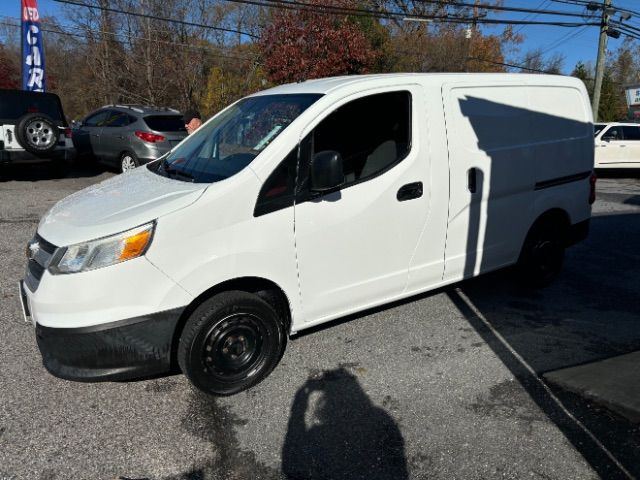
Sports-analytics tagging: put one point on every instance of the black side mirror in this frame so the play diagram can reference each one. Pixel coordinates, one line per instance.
(326, 171)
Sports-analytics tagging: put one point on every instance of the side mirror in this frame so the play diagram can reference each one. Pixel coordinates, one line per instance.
(326, 171)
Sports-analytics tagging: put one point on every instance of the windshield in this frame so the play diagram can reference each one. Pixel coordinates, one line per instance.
(231, 141)
(597, 128)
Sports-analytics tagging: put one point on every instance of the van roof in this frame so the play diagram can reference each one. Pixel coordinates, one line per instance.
(330, 84)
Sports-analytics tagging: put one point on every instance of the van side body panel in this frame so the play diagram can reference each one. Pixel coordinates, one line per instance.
(519, 143)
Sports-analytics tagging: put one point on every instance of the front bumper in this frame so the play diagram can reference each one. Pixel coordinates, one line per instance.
(111, 323)
(133, 348)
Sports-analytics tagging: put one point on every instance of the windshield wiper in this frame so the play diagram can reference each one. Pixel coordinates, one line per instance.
(176, 173)
(185, 175)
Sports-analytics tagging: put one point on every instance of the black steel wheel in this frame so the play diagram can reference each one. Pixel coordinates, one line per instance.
(230, 343)
(542, 254)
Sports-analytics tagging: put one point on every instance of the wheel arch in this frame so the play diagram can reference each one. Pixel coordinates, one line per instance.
(553, 216)
(266, 289)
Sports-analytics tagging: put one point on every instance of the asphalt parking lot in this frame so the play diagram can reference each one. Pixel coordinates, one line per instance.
(445, 385)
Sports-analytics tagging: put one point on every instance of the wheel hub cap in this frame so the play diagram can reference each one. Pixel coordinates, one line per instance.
(127, 164)
(233, 347)
(39, 134)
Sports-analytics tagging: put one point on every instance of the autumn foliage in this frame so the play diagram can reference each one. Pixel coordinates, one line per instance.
(8, 71)
(303, 44)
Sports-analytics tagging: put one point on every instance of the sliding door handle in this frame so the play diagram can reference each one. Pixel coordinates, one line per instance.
(472, 180)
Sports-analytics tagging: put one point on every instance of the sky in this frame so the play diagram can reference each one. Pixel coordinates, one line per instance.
(576, 44)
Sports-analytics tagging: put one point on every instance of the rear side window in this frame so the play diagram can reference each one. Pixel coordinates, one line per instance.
(165, 123)
(631, 133)
(614, 133)
(119, 119)
(15, 104)
(371, 134)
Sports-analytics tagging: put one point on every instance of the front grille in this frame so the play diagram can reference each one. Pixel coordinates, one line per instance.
(39, 261)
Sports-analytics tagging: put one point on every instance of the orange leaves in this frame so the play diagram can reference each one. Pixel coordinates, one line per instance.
(299, 45)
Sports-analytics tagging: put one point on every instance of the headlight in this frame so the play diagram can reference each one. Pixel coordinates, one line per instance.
(104, 251)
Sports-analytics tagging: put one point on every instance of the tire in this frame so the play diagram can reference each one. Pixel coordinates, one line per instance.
(542, 254)
(128, 161)
(37, 133)
(230, 343)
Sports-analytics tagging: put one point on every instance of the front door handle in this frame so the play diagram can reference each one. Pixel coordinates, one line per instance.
(409, 191)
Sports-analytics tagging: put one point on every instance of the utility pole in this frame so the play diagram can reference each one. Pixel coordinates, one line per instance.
(602, 51)
(471, 32)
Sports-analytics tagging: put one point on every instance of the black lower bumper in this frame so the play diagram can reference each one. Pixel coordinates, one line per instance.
(21, 156)
(133, 348)
(578, 232)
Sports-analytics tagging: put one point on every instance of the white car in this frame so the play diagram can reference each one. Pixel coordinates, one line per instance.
(305, 203)
(617, 145)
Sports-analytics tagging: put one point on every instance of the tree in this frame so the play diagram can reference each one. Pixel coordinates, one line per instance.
(226, 84)
(303, 44)
(535, 60)
(9, 75)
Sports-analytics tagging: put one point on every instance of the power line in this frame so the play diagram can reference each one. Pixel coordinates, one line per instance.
(312, 6)
(586, 3)
(330, 10)
(564, 39)
(294, 5)
(155, 17)
(501, 8)
(531, 16)
(521, 67)
(60, 31)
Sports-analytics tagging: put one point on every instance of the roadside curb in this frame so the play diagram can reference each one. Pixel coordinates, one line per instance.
(613, 383)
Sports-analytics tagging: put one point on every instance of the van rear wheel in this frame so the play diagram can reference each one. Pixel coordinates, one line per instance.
(542, 254)
(230, 343)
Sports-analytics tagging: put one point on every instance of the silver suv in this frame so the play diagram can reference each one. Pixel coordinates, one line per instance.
(127, 136)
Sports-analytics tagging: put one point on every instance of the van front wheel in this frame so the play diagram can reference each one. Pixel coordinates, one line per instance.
(230, 343)
(542, 255)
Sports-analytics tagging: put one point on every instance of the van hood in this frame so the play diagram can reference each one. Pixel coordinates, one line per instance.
(116, 205)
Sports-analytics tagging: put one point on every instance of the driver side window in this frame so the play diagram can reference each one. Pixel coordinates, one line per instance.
(372, 134)
(97, 119)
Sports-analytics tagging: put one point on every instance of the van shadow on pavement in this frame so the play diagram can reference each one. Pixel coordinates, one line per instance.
(346, 436)
(334, 432)
(590, 313)
(49, 171)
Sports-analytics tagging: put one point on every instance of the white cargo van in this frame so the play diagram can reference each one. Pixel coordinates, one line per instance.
(302, 204)
(617, 145)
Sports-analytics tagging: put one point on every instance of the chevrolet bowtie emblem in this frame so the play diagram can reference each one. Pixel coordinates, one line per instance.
(32, 250)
